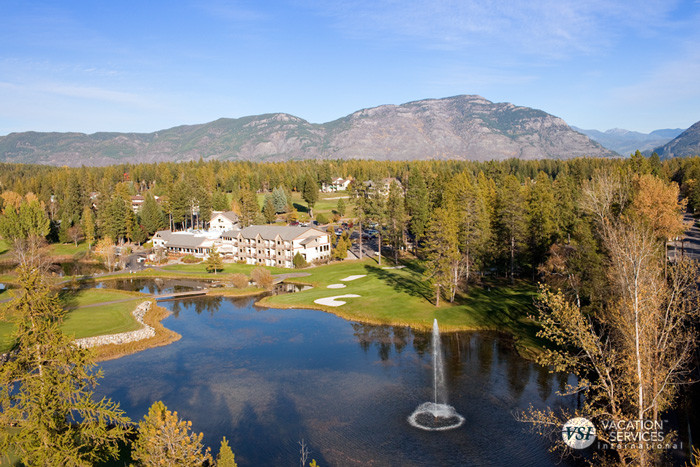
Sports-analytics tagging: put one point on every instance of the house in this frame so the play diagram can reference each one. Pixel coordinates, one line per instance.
(137, 202)
(267, 245)
(275, 245)
(337, 184)
(221, 221)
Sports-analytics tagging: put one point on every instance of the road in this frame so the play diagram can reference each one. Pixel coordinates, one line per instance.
(689, 246)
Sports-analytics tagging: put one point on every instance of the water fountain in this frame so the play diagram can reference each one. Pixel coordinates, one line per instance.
(436, 415)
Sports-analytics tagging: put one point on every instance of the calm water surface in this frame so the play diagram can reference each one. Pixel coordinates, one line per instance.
(267, 378)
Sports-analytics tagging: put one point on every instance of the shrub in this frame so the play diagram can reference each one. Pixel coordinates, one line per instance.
(262, 277)
(189, 259)
(299, 261)
(240, 281)
(322, 219)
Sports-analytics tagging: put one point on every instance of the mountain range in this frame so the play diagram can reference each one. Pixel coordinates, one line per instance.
(466, 127)
(687, 144)
(626, 142)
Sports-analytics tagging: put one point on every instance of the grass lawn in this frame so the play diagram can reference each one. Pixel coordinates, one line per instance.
(92, 320)
(401, 297)
(4, 247)
(68, 249)
(326, 204)
(229, 268)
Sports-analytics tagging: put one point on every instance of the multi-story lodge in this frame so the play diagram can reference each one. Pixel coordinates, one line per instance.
(268, 245)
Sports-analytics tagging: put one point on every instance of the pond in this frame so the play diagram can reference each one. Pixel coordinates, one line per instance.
(268, 378)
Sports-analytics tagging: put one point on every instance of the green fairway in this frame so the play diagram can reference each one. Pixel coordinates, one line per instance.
(110, 318)
(326, 204)
(402, 297)
(229, 268)
(4, 247)
(68, 249)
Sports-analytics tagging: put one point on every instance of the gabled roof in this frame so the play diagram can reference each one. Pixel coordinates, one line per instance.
(230, 215)
(271, 232)
(184, 239)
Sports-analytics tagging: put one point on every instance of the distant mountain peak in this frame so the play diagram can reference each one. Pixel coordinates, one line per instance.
(459, 127)
(687, 144)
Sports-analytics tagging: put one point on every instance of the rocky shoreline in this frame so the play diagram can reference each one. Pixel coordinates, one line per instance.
(145, 332)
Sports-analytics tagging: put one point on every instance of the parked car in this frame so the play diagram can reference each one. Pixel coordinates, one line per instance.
(294, 224)
(339, 231)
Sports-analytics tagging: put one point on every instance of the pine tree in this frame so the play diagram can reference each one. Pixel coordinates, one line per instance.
(269, 211)
(542, 223)
(151, 214)
(248, 206)
(441, 252)
(310, 193)
(466, 202)
(341, 207)
(214, 261)
(279, 198)
(395, 219)
(511, 210)
(165, 439)
(219, 201)
(88, 222)
(46, 388)
(226, 457)
(417, 206)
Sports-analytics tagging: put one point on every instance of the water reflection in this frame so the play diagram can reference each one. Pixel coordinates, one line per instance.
(267, 378)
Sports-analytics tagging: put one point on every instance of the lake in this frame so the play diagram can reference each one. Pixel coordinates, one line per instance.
(268, 378)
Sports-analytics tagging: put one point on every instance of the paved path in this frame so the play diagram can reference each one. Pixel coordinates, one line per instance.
(690, 244)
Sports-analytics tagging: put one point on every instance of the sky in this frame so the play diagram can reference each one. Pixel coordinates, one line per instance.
(132, 66)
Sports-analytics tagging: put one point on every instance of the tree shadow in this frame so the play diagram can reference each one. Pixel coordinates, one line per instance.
(301, 207)
(273, 440)
(413, 284)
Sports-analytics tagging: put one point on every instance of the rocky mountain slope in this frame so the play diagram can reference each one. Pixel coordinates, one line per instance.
(626, 142)
(687, 144)
(461, 127)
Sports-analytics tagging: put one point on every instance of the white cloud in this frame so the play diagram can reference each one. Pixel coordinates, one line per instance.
(551, 28)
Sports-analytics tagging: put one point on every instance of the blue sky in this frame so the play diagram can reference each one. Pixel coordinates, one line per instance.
(144, 66)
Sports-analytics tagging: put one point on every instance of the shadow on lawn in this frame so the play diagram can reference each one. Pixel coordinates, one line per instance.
(413, 284)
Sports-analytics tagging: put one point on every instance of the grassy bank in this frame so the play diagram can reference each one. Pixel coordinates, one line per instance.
(229, 268)
(402, 297)
(93, 312)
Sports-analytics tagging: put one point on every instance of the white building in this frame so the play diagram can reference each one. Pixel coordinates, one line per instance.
(276, 245)
(266, 245)
(221, 221)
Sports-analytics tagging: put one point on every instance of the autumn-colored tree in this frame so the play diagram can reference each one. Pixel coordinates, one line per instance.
(106, 249)
(165, 439)
(262, 277)
(239, 280)
(225, 458)
(214, 262)
(249, 208)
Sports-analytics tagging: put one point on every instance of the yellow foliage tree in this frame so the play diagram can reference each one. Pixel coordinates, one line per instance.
(164, 439)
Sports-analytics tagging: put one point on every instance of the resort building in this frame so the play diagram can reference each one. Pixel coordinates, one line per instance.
(267, 245)
(221, 221)
(275, 245)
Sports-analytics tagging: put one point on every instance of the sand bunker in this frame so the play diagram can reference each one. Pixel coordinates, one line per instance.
(352, 278)
(331, 301)
(336, 286)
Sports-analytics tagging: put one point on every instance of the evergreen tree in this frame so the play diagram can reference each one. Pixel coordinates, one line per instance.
(88, 223)
(249, 207)
(511, 211)
(395, 219)
(63, 229)
(341, 207)
(151, 214)
(310, 193)
(542, 224)
(165, 439)
(441, 252)
(417, 205)
(46, 388)
(180, 203)
(219, 201)
(214, 261)
(466, 202)
(279, 199)
(269, 211)
(226, 457)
